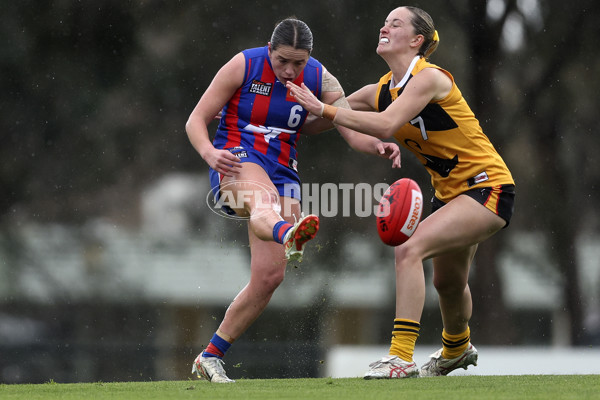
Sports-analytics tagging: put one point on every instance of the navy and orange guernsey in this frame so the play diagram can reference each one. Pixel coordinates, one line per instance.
(447, 138)
(262, 115)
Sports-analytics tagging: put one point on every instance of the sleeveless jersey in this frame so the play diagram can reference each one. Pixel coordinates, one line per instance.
(447, 138)
(262, 115)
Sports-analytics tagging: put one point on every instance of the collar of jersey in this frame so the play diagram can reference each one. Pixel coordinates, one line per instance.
(406, 75)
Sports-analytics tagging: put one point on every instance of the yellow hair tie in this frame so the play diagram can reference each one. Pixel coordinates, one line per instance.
(436, 37)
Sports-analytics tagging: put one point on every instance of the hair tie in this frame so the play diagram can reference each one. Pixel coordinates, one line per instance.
(436, 37)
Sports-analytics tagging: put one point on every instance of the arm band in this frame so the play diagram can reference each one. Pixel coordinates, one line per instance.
(329, 111)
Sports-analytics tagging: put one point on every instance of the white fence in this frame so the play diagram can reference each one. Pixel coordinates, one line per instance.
(353, 361)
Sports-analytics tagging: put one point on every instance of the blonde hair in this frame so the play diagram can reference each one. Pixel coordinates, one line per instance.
(423, 25)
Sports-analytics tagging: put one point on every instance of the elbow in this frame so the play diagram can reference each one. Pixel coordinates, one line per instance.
(387, 133)
(191, 124)
(189, 129)
(384, 132)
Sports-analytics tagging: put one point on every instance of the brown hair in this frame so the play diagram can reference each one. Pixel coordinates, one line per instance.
(292, 32)
(423, 24)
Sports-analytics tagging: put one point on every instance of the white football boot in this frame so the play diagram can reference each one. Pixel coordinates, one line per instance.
(392, 367)
(440, 366)
(211, 369)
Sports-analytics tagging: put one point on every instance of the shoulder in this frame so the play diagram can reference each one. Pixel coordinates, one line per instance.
(435, 80)
(432, 73)
(237, 62)
(313, 71)
(232, 73)
(314, 63)
(256, 52)
(432, 70)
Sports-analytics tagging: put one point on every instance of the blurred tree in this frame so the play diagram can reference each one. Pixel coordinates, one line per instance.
(61, 67)
(523, 71)
(557, 108)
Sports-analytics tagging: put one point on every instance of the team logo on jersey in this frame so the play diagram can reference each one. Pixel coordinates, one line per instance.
(239, 151)
(262, 88)
(270, 132)
(481, 177)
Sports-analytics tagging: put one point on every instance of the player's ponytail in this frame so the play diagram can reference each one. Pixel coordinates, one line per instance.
(423, 25)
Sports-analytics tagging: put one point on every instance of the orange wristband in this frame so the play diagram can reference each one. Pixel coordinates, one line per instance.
(329, 111)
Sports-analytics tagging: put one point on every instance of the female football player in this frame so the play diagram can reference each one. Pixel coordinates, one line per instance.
(254, 169)
(419, 104)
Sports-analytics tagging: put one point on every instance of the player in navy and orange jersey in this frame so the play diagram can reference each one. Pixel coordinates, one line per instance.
(254, 165)
(419, 104)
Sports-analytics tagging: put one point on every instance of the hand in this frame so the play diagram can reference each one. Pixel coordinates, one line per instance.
(306, 98)
(223, 161)
(391, 151)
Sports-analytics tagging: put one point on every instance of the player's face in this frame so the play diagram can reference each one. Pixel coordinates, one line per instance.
(397, 32)
(288, 62)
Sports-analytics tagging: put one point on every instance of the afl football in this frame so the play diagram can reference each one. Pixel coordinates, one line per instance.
(399, 212)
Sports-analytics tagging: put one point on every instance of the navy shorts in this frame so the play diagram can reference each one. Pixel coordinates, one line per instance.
(285, 179)
(498, 199)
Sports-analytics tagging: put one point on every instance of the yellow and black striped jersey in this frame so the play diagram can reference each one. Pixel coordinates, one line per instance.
(447, 138)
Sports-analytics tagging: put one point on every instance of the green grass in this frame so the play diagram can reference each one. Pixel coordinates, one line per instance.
(446, 388)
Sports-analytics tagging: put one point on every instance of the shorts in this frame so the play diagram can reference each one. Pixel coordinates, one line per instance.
(498, 199)
(285, 179)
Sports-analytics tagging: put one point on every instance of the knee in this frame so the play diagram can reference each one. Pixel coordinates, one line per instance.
(275, 278)
(407, 257)
(447, 286)
(267, 281)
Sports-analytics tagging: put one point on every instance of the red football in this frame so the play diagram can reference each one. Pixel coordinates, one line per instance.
(399, 212)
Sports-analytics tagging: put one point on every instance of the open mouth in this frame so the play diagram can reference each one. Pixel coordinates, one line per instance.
(384, 40)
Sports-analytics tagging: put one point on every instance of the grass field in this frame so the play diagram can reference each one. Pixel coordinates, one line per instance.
(447, 388)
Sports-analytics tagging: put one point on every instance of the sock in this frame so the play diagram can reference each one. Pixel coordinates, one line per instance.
(455, 345)
(404, 337)
(217, 347)
(280, 229)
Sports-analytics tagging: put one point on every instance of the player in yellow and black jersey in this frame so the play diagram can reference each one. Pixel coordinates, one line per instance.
(447, 138)
(419, 104)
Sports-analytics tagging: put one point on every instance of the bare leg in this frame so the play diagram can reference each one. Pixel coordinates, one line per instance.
(250, 194)
(267, 272)
(410, 283)
(450, 236)
(450, 277)
(256, 197)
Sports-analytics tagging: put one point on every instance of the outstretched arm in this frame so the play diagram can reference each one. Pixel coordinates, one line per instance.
(424, 87)
(333, 94)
